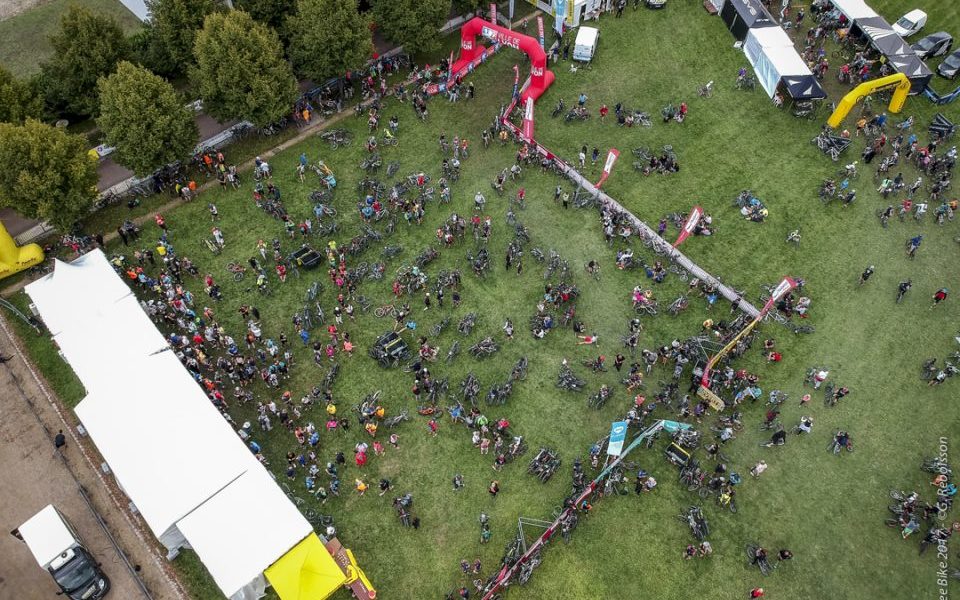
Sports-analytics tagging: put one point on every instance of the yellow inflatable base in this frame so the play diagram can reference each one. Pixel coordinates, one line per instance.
(13, 258)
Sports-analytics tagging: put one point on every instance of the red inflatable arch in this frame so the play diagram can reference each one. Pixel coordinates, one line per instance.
(471, 53)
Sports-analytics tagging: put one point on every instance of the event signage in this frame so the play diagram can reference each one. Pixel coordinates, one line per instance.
(527, 131)
(696, 213)
(618, 434)
(540, 30)
(782, 289)
(559, 10)
(608, 165)
(500, 37)
(493, 12)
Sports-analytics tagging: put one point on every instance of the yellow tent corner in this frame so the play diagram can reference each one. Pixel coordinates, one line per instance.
(306, 572)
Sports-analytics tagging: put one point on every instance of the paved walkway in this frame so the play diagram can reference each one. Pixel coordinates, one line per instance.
(34, 475)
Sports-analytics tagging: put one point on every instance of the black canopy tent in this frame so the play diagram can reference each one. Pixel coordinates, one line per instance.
(898, 53)
(915, 70)
(802, 87)
(882, 36)
(743, 15)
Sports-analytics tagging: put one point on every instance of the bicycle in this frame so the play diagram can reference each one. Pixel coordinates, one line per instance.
(386, 309)
(760, 561)
(705, 91)
(237, 269)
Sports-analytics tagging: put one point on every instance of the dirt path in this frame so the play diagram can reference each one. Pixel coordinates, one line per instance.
(35, 476)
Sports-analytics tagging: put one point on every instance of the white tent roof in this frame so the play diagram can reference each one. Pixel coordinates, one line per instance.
(88, 286)
(854, 9)
(46, 535)
(123, 336)
(251, 513)
(771, 36)
(167, 445)
(189, 475)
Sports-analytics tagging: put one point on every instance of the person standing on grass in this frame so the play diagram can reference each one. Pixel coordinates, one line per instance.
(432, 427)
(603, 112)
(939, 297)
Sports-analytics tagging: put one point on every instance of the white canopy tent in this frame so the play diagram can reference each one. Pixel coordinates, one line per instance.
(169, 448)
(853, 9)
(123, 337)
(86, 287)
(233, 519)
(773, 56)
(191, 478)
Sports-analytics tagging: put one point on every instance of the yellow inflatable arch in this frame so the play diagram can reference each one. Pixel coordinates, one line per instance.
(898, 81)
(13, 258)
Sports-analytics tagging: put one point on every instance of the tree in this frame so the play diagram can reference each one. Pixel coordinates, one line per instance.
(240, 70)
(328, 37)
(19, 100)
(412, 23)
(176, 22)
(269, 12)
(47, 173)
(145, 119)
(87, 47)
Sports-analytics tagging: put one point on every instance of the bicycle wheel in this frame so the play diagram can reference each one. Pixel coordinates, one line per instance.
(704, 492)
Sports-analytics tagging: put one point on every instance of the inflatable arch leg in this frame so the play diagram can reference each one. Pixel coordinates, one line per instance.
(13, 258)
(900, 93)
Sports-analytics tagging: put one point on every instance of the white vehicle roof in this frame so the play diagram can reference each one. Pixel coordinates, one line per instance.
(46, 535)
(586, 36)
(914, 15)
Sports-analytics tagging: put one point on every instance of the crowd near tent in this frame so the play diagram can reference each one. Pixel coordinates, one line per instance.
(879, 34)
(191, 478)
(743, 15)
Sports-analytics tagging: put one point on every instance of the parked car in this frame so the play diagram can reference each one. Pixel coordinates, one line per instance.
(950, 66)
(935, 44)
(910, 23)
(58, 549)
(656, 3)
(586, 44)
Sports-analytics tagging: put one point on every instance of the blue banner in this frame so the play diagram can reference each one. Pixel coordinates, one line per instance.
(560, 12)
(618, 434)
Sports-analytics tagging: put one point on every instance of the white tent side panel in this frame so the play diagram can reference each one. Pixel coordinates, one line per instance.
(84, 288)
(243, 530)
(169, 448)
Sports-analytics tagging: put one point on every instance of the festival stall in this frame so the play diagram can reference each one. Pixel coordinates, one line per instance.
(743, 15)
(771, 53)
(186, 472)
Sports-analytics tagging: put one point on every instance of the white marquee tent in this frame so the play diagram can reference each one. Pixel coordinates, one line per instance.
(771, 53)
(191, 478)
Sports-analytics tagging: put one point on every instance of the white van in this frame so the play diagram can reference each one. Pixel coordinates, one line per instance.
(586, 44)
(57, 548)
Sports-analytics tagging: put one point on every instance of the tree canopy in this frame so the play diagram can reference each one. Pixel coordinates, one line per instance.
(412, 23)
(145, 119)
(175, 23)
(327, 37)
(47, 173)
(86, 47)
(240, 70)
(269, 12)
(19, 100)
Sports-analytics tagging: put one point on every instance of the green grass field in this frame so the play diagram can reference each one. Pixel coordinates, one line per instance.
(828, 509)
(26, 36)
